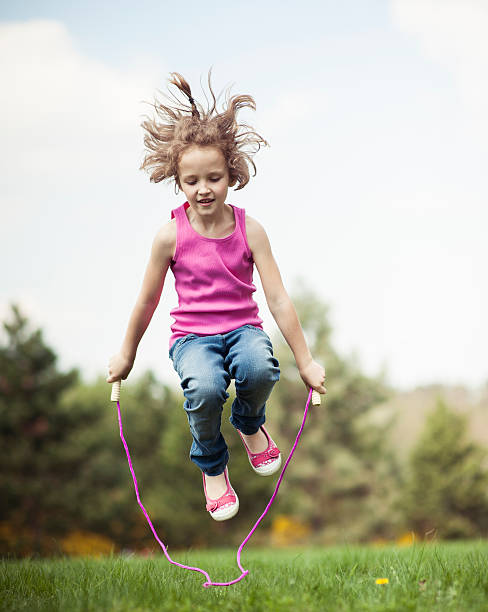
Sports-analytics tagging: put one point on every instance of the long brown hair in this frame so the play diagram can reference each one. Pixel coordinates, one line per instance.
(179, 124)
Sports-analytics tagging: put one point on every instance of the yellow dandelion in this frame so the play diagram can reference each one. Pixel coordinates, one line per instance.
(382, 580)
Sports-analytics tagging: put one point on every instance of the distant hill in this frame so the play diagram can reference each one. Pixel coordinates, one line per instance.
(408, 410)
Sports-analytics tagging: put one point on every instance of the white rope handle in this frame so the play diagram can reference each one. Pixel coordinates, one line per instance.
(315, 398)
(115, 391)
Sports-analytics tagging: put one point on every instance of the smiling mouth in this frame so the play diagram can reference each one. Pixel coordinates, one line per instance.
(206, 201)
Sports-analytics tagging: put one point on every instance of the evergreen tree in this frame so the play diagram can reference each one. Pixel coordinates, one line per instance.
(344, 477)
(32, 428)
(63, 464)
(102, 500)
(447, 484)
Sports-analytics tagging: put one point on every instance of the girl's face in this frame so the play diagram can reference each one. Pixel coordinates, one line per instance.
(204, 178)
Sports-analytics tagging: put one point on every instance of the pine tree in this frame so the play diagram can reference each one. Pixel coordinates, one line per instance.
(447, 486)
(31, 430)
(344, 477)
(63, 465)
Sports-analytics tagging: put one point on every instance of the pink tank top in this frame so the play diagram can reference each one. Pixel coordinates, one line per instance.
(213, 280)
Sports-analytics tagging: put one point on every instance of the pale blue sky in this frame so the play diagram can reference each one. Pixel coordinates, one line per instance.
(373, 190)
(177, 31)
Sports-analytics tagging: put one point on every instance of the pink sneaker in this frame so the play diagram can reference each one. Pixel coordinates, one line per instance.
(226, 506)
(269, 461)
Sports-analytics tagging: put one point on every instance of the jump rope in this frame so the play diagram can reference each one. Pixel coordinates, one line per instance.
(313, 395)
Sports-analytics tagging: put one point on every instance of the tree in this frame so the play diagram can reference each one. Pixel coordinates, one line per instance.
(447, 484)
(32, 429)
(63, 465)
(102, 500)
(344, 478)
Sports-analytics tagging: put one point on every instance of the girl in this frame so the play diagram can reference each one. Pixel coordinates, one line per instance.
(211, 248)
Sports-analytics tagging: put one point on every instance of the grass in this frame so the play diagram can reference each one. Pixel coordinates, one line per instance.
(422, 577)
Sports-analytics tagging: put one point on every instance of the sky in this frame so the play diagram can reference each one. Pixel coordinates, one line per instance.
(373, 191)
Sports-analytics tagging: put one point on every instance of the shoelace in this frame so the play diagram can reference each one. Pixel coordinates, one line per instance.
(244, 572)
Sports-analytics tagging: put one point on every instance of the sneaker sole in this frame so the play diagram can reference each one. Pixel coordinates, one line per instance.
(267, 470)
(226, 513)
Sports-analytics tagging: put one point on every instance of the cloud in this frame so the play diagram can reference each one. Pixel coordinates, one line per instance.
(65, 119)
(71, 147)
(349, 191)
(453, 33)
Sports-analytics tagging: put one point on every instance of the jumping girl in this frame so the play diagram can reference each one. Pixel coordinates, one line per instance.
(211, 247)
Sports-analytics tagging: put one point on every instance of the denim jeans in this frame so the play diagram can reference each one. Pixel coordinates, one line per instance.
(206, 365)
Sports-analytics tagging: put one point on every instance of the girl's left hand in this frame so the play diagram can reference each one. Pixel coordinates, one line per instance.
(313, 375)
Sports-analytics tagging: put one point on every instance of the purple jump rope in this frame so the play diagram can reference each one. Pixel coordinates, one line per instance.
(115, 398)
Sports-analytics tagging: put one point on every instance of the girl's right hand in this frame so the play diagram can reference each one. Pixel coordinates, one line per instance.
(313, 375)
(119, 367)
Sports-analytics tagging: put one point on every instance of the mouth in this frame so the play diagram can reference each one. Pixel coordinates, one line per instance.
(205, 201)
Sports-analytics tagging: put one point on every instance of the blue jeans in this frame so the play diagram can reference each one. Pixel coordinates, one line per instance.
(206, 365)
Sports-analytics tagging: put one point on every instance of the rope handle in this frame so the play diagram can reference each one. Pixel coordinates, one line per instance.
(115, 391)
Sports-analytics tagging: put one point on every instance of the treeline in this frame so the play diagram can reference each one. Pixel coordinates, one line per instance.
(65, 486)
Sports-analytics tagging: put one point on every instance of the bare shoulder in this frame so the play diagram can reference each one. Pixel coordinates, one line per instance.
(164, 243)
(256, 235)
(252, 225)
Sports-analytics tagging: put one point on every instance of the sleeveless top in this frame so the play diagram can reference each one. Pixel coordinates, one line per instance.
(213, 280)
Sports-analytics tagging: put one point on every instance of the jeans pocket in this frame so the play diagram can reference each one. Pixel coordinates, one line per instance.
(175, 349)
(257, 330)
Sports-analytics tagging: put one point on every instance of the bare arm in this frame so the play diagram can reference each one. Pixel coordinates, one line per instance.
(152, 286)
(281, 306)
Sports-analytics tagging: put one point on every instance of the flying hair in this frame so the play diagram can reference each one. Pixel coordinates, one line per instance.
(182, 122)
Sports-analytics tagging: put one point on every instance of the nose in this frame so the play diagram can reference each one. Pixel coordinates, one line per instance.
(203, 188)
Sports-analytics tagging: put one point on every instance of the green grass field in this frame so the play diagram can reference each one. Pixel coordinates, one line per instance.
(421, 577)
